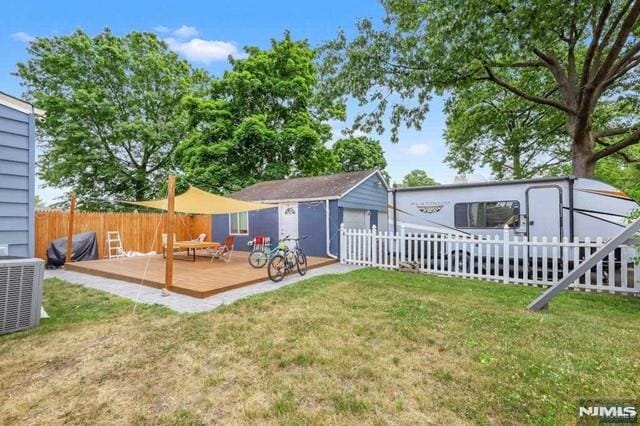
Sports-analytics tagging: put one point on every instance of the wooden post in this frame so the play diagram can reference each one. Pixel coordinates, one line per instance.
(171, 192)
(72, 212)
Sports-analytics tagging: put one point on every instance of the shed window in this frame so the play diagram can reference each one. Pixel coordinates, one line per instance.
(490, 214)
(239, 223)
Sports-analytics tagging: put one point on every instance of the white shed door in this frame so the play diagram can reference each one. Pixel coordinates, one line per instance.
(355, 219)
(288, 218)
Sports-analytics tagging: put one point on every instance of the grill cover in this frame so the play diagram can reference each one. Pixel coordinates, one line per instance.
(85, 247)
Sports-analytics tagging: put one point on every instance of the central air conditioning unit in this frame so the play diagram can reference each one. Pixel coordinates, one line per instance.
(20, 293)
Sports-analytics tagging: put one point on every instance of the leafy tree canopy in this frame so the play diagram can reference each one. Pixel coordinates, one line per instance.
(587, 49)
(516, 139)
(418, 177)
(358, 153)
(114, 112)
(625, 176)
(260, 121)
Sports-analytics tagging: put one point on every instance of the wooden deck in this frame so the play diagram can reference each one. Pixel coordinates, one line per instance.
(202, 278)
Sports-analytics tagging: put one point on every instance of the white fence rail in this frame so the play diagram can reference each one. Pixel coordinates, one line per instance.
(539, 262)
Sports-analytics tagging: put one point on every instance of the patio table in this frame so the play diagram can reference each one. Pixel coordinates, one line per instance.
(192, 247)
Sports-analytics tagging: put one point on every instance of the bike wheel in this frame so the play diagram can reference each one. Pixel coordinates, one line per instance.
(277, 268)
(258, 258)
(301, 263)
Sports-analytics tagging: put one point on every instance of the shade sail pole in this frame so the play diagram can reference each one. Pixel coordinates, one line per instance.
(171, 195)
(72, 212)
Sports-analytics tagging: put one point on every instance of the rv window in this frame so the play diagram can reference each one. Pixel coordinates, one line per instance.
(493, 214)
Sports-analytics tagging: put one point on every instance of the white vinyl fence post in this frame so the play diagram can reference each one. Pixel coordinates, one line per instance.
(402, 245)
(374, 246)
(343, 244)
(505, 254)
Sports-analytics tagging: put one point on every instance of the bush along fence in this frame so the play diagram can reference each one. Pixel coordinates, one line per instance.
(140, 232)
(537, 262)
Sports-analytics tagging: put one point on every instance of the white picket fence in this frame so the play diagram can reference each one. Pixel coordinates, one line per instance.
(539, 262)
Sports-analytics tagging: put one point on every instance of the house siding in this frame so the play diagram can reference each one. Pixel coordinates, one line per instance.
(312, 222)
(17, 181)
(369, 195)
(261, 222)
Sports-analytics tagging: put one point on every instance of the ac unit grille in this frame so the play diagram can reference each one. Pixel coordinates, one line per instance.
(19, 283)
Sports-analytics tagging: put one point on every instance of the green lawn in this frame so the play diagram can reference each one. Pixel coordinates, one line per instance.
(366, 347)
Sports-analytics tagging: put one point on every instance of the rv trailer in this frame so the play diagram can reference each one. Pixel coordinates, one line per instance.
(544, 207)
(560, 207)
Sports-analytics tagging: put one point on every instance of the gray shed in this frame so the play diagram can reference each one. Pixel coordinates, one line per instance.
(313, 206)
(17, 176)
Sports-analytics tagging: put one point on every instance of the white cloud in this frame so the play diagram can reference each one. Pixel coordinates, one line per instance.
(199, 50)
(185, 32)
(161, 29)
(23, 37)
(418, 149)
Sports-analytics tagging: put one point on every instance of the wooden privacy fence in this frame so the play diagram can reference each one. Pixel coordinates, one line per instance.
(139, 231)
(540, 262)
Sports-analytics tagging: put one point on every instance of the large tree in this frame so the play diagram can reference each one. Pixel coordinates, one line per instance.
(261, 120)
(514, 138)
(358, 153)
(113, 109)
(588, 49)
(418, 177)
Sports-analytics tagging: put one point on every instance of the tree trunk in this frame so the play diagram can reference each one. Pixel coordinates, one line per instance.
(139, 184)
(582, 157)
(582, 150)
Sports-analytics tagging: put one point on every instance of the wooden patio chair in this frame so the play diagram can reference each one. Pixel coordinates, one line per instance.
(225, 251)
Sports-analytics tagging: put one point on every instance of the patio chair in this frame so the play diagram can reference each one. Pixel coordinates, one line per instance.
(200, 238)
(225, 251)
(164, 243)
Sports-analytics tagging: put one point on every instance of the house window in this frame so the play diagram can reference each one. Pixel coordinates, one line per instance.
(490, 214)
(239, 223)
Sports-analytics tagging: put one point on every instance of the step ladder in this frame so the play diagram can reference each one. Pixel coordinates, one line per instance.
(113, 245)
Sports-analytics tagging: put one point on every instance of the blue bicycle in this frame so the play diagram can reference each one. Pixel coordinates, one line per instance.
(261, 252)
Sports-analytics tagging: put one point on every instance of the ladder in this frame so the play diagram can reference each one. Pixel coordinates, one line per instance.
(113, 245)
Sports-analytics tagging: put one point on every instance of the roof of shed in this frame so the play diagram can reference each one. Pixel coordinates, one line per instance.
(316, 187)
(19, 104)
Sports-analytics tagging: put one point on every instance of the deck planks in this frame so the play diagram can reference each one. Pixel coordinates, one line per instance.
(197, 279)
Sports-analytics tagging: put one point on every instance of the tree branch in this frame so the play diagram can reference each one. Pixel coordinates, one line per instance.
(615, 131)
(533, 98)
(627, 59)
(618, 44)
(595, 39)
(626, 157)
(632, 139)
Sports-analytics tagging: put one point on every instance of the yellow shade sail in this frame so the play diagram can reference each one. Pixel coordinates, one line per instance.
(197, 201)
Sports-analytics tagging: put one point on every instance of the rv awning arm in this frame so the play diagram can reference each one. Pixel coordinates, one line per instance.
(623, 237)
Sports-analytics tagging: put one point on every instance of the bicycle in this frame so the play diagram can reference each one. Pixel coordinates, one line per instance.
(282, 263)
(261, 253)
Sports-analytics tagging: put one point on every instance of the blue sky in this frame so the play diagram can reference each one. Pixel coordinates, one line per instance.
(205, 32)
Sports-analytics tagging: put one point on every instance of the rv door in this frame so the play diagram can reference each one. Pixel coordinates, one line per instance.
(544, 211)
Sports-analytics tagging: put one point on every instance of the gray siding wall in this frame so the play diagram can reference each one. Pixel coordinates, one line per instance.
(312, 222)
(17, 181)
(369, 195)
(261, 222)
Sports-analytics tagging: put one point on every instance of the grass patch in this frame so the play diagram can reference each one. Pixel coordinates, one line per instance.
(370, 345)
(347, 402)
